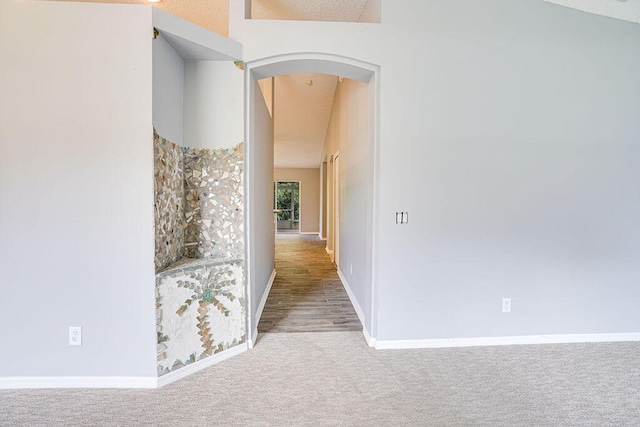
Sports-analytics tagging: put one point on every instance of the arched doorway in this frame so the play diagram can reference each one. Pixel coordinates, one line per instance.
(259, 179)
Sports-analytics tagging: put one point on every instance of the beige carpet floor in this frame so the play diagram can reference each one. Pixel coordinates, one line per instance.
(333, 378)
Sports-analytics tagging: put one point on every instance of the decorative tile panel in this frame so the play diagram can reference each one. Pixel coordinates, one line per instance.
(214, 207)
(199, 229)
(169, 202)
(200, 310)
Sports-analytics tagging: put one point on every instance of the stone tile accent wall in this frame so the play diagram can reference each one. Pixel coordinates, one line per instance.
(169, 202)
(199, 229)
(214, 207)
(200, 310)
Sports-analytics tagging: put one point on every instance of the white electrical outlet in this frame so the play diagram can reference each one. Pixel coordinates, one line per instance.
(350, 268)
(506, 305)
(75, 335)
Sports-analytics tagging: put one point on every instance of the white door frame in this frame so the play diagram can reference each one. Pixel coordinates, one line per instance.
(327, 64)
(336, 209)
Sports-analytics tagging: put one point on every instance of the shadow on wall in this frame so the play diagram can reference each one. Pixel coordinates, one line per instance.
(199, 232)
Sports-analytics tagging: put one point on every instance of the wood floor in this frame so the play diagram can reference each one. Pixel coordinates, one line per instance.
(307, 295)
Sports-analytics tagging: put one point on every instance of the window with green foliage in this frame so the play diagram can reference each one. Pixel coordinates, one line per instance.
(287, 201)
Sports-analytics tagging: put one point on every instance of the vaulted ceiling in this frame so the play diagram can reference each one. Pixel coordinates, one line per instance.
(303, 104)
(302, 112)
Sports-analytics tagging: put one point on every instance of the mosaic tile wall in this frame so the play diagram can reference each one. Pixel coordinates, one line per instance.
(199, 209)
(200, 311)
(199, 229)
(214, 203)
(168, 201)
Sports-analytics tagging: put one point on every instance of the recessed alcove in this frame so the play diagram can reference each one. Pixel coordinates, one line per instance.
(198, 195)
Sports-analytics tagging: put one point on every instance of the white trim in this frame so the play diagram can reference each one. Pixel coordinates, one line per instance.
(248, 193)
(310, 233)
(315, 62)
(192, 368)
(77, 382)
(371, 342)
(265, 296)
(329, 251)
(375, 86)
(514, 340)
(352, 297)
(119, 382)
(263, 301)
(251, 343)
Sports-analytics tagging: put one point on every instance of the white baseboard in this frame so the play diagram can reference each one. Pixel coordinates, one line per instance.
(514, 340)
(371, 342)
(77, 382)
(263, 301)
(200, 365)
(315, 233)
(252, 342)
(329, 251)
(354, 302)
(265, 296)
(118, 382)
(352, 297)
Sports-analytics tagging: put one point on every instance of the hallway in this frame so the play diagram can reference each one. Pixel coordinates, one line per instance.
(307, 294)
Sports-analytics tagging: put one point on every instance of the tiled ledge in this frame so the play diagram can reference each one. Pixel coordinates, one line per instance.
(190, 264)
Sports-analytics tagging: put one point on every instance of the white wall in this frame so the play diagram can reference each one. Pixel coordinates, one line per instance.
(76, 189)
(519, 175)
(509, 133)
(168, 78)
(309, 194)
(267, 86)
(260, 207)
(349, 133)
(213, 104)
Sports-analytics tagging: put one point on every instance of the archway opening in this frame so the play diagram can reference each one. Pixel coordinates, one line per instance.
(356, 194)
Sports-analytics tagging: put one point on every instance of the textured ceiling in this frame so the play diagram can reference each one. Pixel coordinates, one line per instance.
(301, 118)
(308, 10)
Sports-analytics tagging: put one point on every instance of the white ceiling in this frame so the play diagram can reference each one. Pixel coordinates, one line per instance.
(301, 118)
